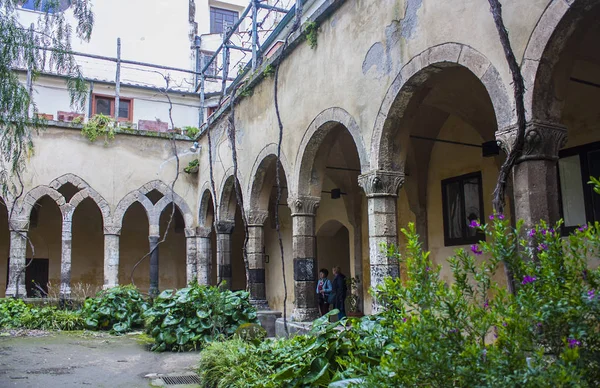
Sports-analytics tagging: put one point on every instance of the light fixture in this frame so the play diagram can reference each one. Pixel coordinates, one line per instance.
(195, 147)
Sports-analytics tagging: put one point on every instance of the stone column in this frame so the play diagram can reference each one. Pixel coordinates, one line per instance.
(224, 230)
(203, 265)
(65, 259)
(153, 238)
(304, 247)
(381, 189)
(535, 179)
(191, 252)
(256, 258)
(111, 256)
(17, 254)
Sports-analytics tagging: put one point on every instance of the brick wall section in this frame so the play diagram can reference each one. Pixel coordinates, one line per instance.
(154, 126)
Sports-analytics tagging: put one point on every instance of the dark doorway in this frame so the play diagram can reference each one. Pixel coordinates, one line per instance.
(36, 277)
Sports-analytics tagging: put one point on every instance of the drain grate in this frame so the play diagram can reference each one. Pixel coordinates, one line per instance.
(179, 380)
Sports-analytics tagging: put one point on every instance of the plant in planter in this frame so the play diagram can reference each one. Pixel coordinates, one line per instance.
(192, 167)
(191, 132)
(352, 300)
(99, 125)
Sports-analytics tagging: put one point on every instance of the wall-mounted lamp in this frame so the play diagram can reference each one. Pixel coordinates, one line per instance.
(195, 147)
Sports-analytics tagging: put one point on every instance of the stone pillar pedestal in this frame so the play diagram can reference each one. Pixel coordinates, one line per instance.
(111, 257)
(381, 189)
(224, 230)
(65, 259)
(256, 258)
(304, 247)
(203, 264)
(191, 253)
(16, 269)
(535, 179)
(153, 290)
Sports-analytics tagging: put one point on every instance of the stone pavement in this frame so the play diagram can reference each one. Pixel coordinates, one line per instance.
(82, 359)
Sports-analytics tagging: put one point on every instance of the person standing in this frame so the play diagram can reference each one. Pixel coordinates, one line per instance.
(323, 291)
(339, 292)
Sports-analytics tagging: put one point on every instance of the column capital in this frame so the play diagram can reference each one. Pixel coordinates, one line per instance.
(543, 140)
(225, 227)
(112, 230)
(256, 217)
(19, 225)
(190, 232)
(203, 231)
(304, 205)
(379, 183)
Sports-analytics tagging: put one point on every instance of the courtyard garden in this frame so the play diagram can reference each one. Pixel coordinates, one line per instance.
(471, 332)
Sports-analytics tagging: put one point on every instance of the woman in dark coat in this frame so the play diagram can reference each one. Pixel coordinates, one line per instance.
(339, 291)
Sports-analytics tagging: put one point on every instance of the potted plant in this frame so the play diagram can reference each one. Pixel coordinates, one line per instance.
(192, 167)
(352, 300)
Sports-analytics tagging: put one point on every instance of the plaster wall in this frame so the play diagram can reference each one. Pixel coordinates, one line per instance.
(114, 169)
(447, 161)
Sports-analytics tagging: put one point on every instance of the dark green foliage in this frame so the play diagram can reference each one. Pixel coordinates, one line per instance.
(11, 311)
(470, 333)
(311, 30)
(118, 309)
(14, 313)
(251, 332)
(191, 132)
(194, 316)
(99, 125)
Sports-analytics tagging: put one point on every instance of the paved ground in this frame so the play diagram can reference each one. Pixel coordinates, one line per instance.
(84, 359)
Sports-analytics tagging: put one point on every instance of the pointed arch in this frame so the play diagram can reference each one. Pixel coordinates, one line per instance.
(126, 202)
(227, 199)
(265, 160)
(69, 178)
(102, 204)
(38, 193)
(204, 208)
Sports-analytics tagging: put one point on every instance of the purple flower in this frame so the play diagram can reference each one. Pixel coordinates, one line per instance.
(486, 304)
(428, 269)
(528, 279)
(476, 250)
(591, 294)
(542, 247)
(491, 217)
(544, 231)
(582, 228)
(532, 233)
(504, 324)
(474, 224)
(573, 343)
(501, 216)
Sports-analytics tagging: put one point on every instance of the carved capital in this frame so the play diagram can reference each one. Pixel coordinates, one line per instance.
(19, 225)
(380, 183)
(112, 230)
(256, 217)
(542, 140)
(225, 227)
(305, 205)
(190, 232)
(203, 231)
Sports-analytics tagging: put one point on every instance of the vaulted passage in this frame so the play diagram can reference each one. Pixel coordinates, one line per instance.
(172, 263)
(133, 246)
(87, 262)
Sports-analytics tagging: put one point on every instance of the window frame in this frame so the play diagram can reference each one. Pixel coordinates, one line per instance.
(205, 56)
(212, 22)
(95, 96)
(464, 240)
(588, 191)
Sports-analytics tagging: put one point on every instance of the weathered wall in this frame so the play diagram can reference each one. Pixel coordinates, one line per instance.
(4, 247)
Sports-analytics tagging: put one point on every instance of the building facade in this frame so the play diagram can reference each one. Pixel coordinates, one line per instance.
(383, 124)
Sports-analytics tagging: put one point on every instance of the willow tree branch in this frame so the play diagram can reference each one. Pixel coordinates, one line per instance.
(499, 199)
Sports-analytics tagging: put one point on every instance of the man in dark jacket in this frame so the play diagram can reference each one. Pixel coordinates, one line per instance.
(339, 290)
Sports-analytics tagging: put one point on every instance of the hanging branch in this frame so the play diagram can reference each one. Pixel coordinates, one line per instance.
(172, 191)
(499, 199)
(278, 163)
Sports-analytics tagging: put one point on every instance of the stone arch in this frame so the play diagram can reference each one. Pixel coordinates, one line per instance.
(69, 178)
(256, 185)
(417, 71)
(206, 202)
(102, 204)
(38, 193)
(227, 198)
(126, 202)
(183, 207)
(552, 32)
(313, 137)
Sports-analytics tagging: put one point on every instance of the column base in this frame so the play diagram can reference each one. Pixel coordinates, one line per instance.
(11, 292)
(107, 286)
(305, 314)
(260, 304)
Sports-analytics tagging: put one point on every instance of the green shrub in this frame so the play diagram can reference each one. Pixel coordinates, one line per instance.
(118, 309)
(52, 318)
(251, 332)
(11, 311)
(228, 364)
(195, 316)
